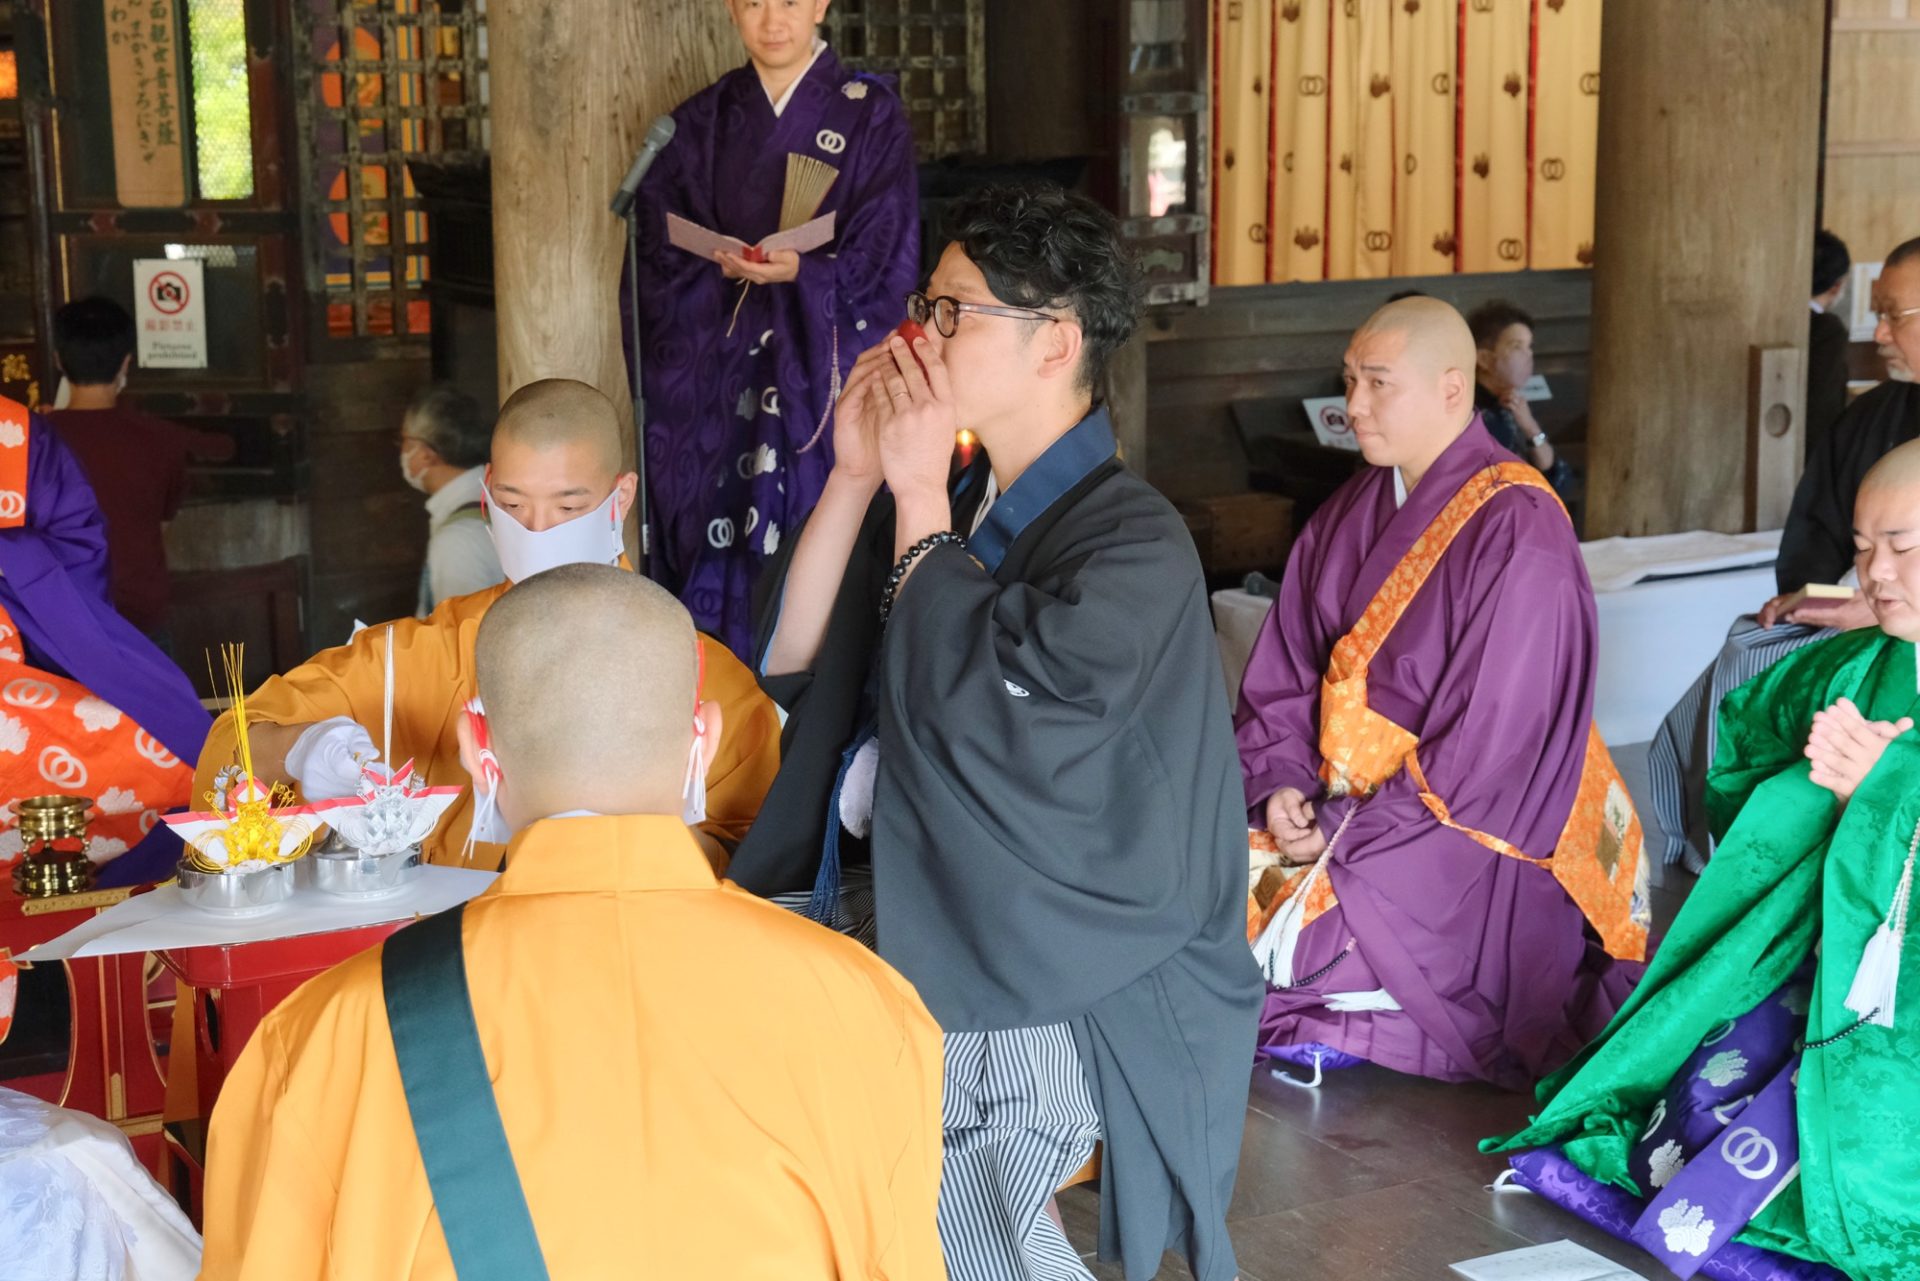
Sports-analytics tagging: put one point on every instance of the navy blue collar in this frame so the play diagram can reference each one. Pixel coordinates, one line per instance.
(1067, 462)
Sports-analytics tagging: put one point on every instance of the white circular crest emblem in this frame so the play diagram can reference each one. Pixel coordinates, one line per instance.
(150, 750)
(62, 768)
(30, 694)
(830, 142)
(1751, 1153)
(720, 533)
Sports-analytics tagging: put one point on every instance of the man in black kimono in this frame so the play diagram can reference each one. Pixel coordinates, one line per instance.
(1005, 698)
(1827, 338)
(1816, 547)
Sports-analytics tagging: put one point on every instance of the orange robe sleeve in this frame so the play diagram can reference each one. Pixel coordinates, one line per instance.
(749, 753)
(268, 1190)
(433, 679)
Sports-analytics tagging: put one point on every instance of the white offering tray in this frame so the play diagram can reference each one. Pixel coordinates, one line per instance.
(160, 920)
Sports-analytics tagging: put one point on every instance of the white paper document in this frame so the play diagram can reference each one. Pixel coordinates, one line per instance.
(698, 240)
(1556, 1261)
(1617, 563)
(158, 920)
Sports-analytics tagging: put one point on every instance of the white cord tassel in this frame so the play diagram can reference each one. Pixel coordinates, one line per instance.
(1877, 981)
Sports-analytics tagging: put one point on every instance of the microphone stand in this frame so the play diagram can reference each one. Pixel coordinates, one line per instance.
(632, 217)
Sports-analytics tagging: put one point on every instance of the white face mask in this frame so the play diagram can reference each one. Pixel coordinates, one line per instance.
(592, 539)
(417, 480)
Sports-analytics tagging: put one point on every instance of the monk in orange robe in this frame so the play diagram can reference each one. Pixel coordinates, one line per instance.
(726, 1090)
(555, 494)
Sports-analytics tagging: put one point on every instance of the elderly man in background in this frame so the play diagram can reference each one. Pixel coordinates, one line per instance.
(443, 454)
(1816, 549)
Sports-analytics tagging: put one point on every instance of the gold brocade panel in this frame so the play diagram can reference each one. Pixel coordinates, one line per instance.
(1242, 181)
(1566, 130)
(1360, 139)
(1300, 96)
(1425, 45)
(1404, 137)
(1494, 73)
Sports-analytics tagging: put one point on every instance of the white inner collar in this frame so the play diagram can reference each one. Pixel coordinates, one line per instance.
(780, 103)
(1399, 489)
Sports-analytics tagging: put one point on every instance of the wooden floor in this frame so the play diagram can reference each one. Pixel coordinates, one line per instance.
(1375, 1176)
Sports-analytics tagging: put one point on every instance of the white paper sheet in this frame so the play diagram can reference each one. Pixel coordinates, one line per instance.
(159, 919)
(701, 242)
(1616, 563)
(1556, 1261)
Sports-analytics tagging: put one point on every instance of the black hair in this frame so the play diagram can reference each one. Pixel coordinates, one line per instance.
(1042, 246)
(1408, 293)
(92, 337)
(450, 421)
(1491, 319)
(1831, 261)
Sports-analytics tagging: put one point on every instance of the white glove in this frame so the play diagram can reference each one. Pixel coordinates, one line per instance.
(326, 759)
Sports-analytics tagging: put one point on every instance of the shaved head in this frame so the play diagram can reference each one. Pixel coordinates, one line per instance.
(1886, 540)
(559, 412)
(1898, 468)
(588, 675)
(1437, 336)
(557, 454)
(1410, 374)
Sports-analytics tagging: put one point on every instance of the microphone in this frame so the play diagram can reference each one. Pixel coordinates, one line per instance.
(659, 134)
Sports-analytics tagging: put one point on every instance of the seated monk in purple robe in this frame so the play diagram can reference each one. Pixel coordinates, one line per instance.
(1458, 889)
(742, 360)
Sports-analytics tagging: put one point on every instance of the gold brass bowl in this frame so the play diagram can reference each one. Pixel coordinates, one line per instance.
(45, 871)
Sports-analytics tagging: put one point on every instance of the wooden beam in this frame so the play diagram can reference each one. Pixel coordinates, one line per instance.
(575, 84)
(1704, 242)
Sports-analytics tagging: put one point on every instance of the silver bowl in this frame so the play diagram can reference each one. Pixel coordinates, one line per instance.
(251, 893)
(347, 873)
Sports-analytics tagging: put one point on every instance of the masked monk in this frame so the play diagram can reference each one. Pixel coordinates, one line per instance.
(726, 1090)
(1415, 736)
(555, 496)
(88, 705)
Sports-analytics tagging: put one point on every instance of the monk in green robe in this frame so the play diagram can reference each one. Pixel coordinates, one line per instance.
(1753, 1111)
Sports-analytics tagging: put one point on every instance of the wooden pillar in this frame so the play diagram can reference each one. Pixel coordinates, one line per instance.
(1709, 138)
(575, 84)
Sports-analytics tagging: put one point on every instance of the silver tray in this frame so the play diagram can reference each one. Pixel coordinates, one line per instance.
(238, 893)
(348, 873)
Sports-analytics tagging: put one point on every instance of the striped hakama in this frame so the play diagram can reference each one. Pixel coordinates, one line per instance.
(1020, 1121)
(1682, 751)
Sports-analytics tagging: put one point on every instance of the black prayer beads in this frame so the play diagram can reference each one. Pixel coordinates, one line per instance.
(905, 563)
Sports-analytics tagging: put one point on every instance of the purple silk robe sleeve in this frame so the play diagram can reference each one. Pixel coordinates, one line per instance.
(65, 532)
(875, 256)
(53, 581)
(1277, 722)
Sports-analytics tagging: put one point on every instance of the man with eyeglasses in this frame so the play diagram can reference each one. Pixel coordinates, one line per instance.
(1006, 710)
(1817, 547)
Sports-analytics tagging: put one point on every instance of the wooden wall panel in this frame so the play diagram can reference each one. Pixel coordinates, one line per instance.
(1709, 140)
(1873, 126)
(1276, 344)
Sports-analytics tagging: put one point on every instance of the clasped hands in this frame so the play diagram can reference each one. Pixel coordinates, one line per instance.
(896, 421)
(1845, 746)
(782, 266)
(1291, 824)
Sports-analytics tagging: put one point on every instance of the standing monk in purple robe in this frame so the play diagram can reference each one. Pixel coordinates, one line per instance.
(1415, 736)
(742, 360)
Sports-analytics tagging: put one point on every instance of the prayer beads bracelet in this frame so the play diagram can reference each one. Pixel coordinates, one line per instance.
(913, 553)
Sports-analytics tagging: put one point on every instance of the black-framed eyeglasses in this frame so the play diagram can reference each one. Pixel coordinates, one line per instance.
(945, 312)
